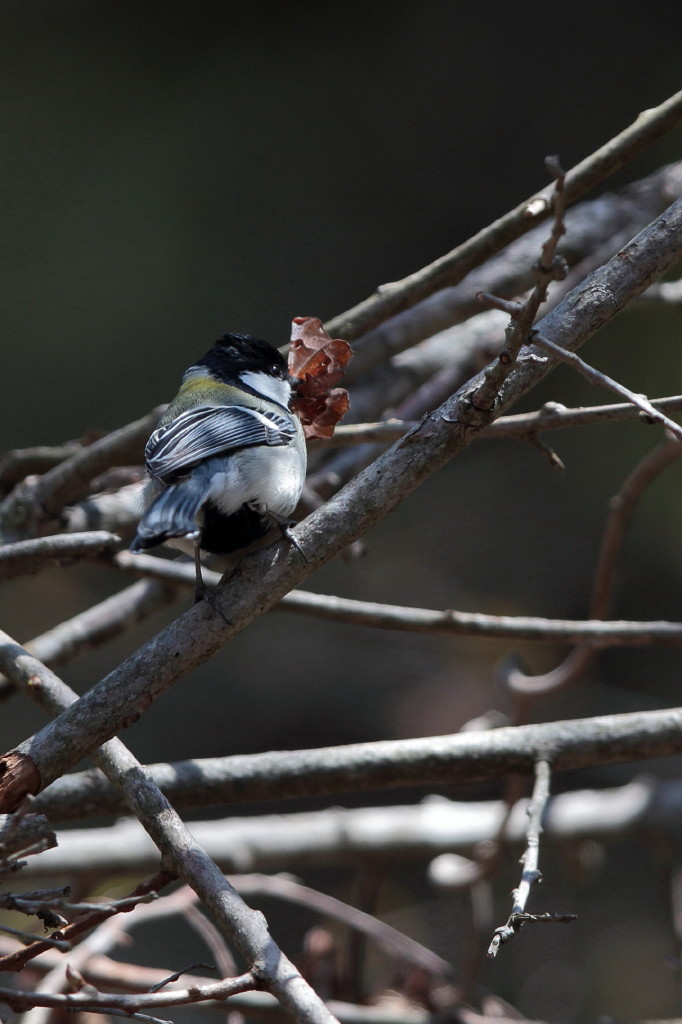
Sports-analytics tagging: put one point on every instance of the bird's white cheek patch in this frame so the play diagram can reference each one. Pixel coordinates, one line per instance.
(269, 387)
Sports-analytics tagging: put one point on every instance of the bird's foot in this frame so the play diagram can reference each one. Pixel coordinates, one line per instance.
(286, 528)
(203, 592)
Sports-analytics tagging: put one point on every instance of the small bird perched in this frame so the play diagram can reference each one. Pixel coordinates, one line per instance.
(228, 459)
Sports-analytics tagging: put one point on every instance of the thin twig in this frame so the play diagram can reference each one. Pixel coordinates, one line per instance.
(597, 632)
(132, 978)
(552, 416)
(28, 937)
(641, 402)
(107, 1002)
(393, 942)
(107, 934)
(33, 903)
(527, 687)
(476, 408)
(530, 860)
(66, 973)
(17, 960)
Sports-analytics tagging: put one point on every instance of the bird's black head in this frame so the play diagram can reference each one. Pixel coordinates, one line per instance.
(234, 354)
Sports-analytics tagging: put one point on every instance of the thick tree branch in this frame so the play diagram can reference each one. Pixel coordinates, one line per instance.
(340, 836)
(26, 556)
(361, 767)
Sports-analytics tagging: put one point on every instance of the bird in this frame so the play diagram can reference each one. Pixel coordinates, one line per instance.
(227, 461)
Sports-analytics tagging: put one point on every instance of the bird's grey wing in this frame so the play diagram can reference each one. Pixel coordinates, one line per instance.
(212, 430)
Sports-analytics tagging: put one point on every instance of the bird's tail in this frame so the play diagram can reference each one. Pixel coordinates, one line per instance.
(172, 514)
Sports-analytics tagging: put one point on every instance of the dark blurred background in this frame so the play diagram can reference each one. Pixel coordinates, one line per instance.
(175, 170)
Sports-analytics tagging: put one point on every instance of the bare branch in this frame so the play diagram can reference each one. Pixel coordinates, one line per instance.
(448, 270)
(131, 977)
(19, 463)
(447, 359)
(17, 960)
(596, 229)
(361, 767)
(522, 314)
(424, 620)
(97, 624)
(267, 575)
(129, 1005)
(339, 836)
(19, 831)
(39, 499)
(107, 934)
(525, 425)
(26, 556)
(526, 687)
(28, 937)
(641, 402)
(56, 899)
(554, 416)
(417, 381)
(530, 860)
(118, 511)
(597, 633)
(180, 852)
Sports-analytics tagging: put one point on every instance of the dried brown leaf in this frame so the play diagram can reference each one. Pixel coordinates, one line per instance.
(318, 362)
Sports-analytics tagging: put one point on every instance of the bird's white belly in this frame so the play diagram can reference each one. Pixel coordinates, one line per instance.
(269, 479)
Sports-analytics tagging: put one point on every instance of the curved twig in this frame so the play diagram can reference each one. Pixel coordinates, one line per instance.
(622, 507)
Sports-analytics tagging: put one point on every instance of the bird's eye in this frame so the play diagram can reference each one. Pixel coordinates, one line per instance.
(276, 370)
